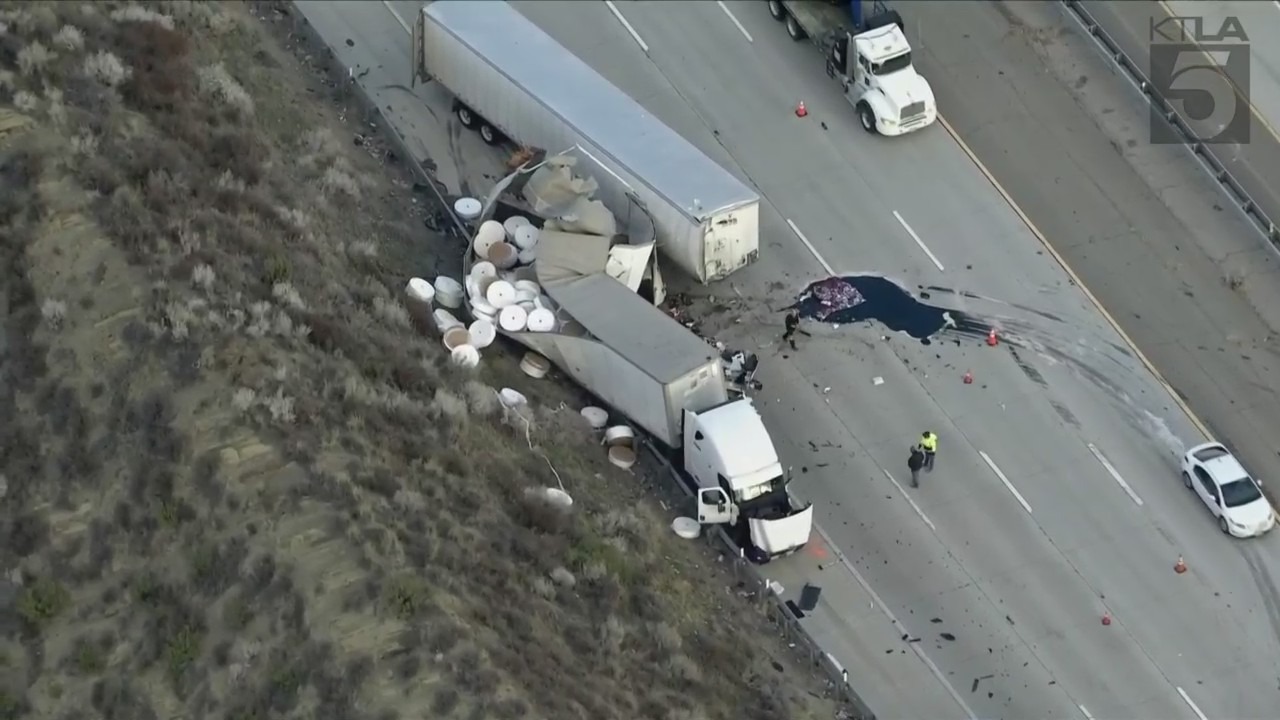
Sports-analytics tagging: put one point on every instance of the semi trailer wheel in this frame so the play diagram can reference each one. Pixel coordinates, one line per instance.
(465, 116)
(776, 10)
(794, 30)
(489, 135)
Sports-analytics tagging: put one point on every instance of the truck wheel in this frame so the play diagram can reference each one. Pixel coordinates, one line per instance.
(776, 10)
(867, 117)
(489, 135)
(794, 30)
(465, 116)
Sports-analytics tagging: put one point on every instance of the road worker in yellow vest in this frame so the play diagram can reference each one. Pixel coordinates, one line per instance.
(929, 443)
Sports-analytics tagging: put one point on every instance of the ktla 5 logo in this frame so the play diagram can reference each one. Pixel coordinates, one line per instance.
(1203, 76)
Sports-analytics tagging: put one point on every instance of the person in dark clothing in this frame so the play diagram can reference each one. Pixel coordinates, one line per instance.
(914, 463)
(792, 323)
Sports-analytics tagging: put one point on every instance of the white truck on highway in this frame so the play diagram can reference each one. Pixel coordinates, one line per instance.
(665, 379)
(512, 80)
(672, 384)
(871, 59)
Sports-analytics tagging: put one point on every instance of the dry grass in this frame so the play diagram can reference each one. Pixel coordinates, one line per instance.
(237, 483)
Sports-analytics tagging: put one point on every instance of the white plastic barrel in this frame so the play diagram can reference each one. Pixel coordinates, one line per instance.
(514, 222)
(526, 236)
(619, 435)
(420, 290)
(445, 320)
(686, 527)
(500, 294)
(558, 498)
(489, 234)
(482, 333)
(456, 337)
(484, 268)
(465, 356)
(528, 285)
(541, 321)
(449, 292)
(596, 417)
(527, 257)
(622, 456)
(503, 255)
(483, 309)
(525, 296)
(534, 365)
(527, 306)
(513, 318)
(467, 208)
(512, 398)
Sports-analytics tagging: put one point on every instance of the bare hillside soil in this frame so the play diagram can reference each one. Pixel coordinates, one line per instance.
(238, 481)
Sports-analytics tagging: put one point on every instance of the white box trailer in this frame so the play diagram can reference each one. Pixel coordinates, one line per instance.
(506, 74)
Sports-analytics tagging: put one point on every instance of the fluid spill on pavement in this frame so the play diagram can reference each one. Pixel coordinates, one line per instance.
(890, 304)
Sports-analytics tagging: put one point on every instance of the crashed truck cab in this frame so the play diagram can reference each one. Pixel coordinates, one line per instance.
(740, 481)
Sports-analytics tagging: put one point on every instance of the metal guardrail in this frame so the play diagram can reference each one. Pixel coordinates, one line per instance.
(1204, 152)
(767, 597)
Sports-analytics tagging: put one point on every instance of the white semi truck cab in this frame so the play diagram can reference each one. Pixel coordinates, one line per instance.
(740, 481)
(874, 68)
(871, 58)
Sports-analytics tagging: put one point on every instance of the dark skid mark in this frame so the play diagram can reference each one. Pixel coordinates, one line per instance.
(976, 296)
(1065, 413)
(1266, 587)
(1026, 368)
(890, 304)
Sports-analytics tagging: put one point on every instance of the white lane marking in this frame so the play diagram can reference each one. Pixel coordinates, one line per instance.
(1085, 710)
(914, 506)
(634, 35)
(387, 4)
(809, 245)
(915, 647)
(1191, 704)
(741, 29)
(1115, 475)
(919, 242)
(995, 469)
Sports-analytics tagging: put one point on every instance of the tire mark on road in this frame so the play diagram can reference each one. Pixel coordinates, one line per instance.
(1266, 587)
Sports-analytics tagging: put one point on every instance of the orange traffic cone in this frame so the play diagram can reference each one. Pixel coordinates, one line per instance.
(1180, 566)
(992, 340)
(1106, 618)
(968, 377)
(800, 111)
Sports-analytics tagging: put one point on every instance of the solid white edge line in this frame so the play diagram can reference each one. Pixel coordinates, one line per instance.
(1191, 704)
(915, 647)
(1115, 474)
(741, 29)
(914, 506)
(1085, 710)
(995, 469)
(809, 245)
(396, 15)
(919, 242)
(635, 35)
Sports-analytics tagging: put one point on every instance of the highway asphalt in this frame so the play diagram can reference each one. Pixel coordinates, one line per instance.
(1255, 163)
(1023, 537)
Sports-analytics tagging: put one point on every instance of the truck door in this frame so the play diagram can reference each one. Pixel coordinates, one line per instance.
(714, 507)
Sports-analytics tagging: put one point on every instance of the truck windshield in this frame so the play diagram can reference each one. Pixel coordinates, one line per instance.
(892, 65)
